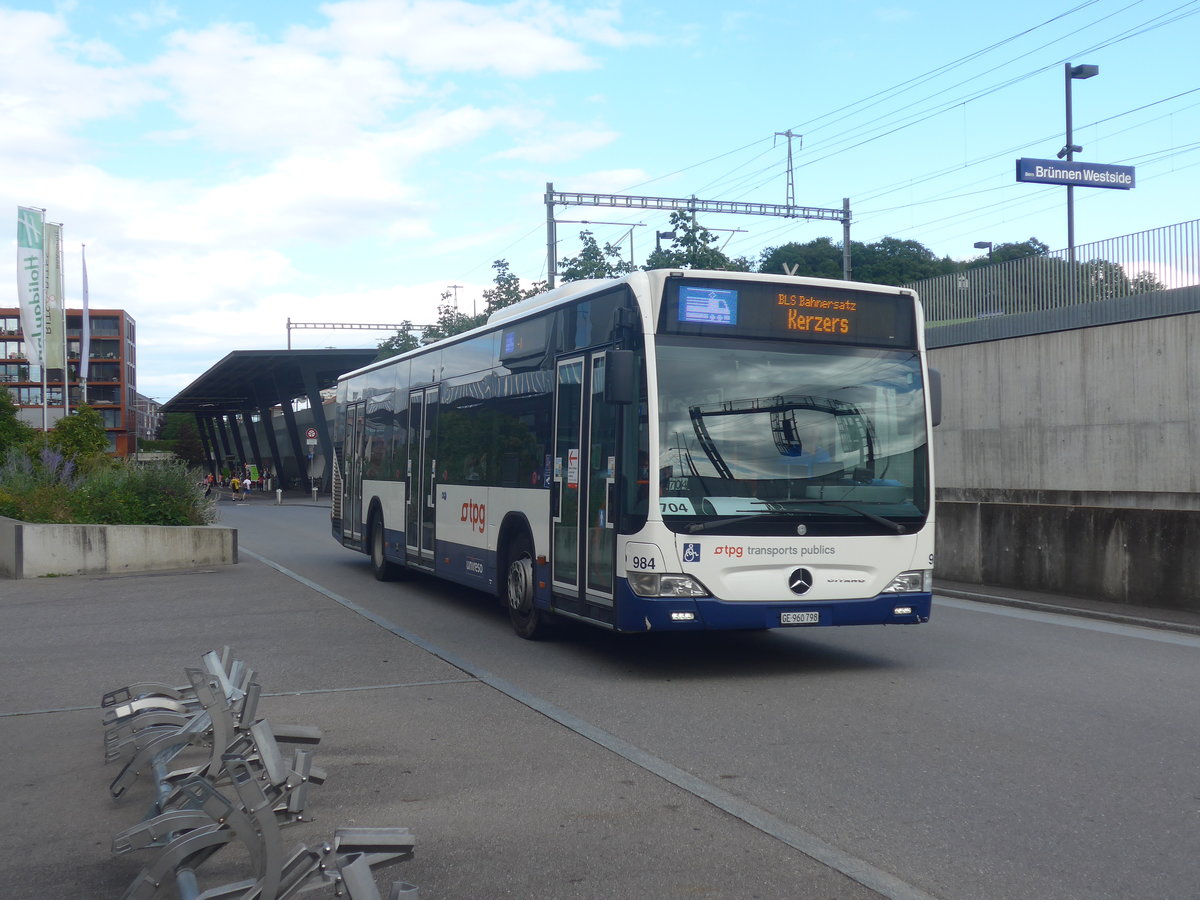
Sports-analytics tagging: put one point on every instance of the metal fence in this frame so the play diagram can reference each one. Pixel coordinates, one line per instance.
(1148, 262)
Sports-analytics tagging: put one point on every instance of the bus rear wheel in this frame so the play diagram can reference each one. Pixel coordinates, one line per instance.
(527, 620)
(381, 568)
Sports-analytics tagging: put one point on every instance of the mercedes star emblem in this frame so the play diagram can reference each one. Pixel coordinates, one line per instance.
(800, 581)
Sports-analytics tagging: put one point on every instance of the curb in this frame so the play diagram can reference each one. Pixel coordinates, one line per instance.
(1117, 618)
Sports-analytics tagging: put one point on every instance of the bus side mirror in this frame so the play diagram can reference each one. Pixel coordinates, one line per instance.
(620, 376)
(935, 397)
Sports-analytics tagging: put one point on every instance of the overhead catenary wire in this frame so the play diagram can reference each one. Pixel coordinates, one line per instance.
(741, 179)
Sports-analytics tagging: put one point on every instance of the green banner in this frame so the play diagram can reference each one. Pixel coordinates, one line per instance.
(55, 347)
(31, 274)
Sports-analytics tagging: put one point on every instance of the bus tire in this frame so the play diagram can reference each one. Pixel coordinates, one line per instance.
(527, 620)
(381, 568)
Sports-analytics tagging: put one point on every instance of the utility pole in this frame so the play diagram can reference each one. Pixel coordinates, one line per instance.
(791, 179)
(551, 237)
(455, 287)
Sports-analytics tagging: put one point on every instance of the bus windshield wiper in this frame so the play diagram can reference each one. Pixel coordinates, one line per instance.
(697, 527)
(877, 519)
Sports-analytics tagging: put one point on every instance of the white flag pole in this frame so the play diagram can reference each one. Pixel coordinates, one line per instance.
(45, 368)
(85, 340)
(62, 325)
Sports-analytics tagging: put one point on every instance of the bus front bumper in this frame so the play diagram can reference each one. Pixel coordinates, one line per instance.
(636, 613)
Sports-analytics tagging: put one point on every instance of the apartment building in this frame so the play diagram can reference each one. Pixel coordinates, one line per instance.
(112, 374)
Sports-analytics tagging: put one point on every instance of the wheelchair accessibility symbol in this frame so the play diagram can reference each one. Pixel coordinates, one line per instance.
(691, 553)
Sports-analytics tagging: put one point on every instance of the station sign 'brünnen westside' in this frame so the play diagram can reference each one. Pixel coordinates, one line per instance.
(1078, 174)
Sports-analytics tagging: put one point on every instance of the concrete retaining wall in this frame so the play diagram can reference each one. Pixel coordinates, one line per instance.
(30, 550)
(1110, 409)
(1142, 557)
(1066, 462)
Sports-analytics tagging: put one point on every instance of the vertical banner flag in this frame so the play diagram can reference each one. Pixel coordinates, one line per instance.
(56, 323)
(30, 274)
(85, 349)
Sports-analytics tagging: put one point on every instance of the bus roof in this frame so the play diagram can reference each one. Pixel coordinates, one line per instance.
(653, 278)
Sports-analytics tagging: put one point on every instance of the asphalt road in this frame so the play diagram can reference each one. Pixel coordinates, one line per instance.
(993, 753)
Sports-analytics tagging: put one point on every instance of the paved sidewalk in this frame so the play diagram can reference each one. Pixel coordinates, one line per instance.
(503, 801)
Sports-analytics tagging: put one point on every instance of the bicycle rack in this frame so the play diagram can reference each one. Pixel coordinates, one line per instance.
(240, 790)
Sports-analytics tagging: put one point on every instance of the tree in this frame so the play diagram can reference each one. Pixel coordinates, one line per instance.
(508, 289)
(506, 292)
(80, 437)
(450, 321)
(594, 262)
(893, 261)
(1015, 250)
(693, 248)
(400, 342)
(13, 432)
(819, 258)
(188, 446)
(887, 261)
(172, 424)
(1146, 283)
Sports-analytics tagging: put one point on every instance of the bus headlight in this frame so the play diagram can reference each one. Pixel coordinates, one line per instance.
(911, 582)
(646, 584)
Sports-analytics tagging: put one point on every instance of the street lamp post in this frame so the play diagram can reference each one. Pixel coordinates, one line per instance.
(1071, 73)
(985, 245)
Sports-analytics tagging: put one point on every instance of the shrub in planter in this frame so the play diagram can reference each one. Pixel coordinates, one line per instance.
(153, 494)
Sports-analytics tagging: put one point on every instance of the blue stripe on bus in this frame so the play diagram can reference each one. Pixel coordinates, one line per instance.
(471, 566)
(636, 613)
(476, 567)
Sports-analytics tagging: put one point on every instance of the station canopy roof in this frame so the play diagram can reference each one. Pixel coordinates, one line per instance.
(246, 378)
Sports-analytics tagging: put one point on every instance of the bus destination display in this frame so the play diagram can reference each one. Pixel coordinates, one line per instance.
(786, 311)
(708, 306)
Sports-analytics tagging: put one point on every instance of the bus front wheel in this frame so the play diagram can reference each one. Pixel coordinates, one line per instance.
(527, 620)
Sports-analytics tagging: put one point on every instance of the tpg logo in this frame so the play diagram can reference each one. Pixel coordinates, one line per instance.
(727, 550)
(476, 514)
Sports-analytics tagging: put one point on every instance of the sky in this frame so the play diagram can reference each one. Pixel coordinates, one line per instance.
(231, 166)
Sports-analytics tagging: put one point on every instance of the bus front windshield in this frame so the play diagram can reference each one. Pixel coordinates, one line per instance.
(773, 438)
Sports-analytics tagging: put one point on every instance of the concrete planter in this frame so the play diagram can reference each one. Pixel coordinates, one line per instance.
(29, 550)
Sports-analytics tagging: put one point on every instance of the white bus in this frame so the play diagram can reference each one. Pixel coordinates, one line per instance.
(668, 451)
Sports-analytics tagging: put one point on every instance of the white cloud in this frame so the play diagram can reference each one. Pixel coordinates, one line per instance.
(606, 181)
(237, 92)
(210, 182)
(558, 144)
(157, 15)
(431, 36)
(46, 94)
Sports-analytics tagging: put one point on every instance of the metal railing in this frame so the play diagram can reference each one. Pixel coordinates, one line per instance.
(1147, 262)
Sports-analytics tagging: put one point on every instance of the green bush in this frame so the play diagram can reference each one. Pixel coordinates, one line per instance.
(49, 489)
(147, 494)
(9, 507)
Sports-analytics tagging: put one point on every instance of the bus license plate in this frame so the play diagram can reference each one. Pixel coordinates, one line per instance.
(799, 618)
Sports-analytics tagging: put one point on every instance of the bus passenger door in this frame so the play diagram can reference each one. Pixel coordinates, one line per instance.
(352, 452)
(421, 468)
(585, 457)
